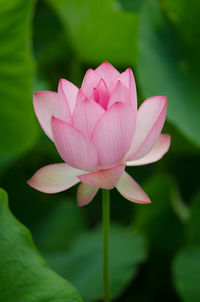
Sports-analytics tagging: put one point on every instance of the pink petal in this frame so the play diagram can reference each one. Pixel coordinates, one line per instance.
(101, 94)
(63, 108)
(130, 189)
(75, 149)
(127, 79)
(90, 81)
(160, 148)
(106, 179)
(107, 72)
(46, 104)
(86, 114)
(150, 119)
(85, 194)
(70, 92)
(119, 94)
(54, 178)
(113, 133)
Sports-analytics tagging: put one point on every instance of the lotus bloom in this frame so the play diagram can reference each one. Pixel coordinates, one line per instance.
(97, 131)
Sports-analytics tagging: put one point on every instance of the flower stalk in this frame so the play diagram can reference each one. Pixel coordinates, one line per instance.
(106, 231)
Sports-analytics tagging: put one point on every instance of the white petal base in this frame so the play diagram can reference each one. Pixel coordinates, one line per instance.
(130, 189)
(85, 194)
(54, 178)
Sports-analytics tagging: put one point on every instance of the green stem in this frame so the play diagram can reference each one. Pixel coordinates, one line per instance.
(106, 231)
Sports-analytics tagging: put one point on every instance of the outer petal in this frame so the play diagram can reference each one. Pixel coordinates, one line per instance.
(130, 189)
(63, 108)
(159, 149)
(119, 94)
(70, 92)
(54, 178)
(46, 104)
(76, 150)
(150, 119)
(113, 133)
(90, 81)
(107, 72)
(85, 194)
(86, 114)
(106, 179)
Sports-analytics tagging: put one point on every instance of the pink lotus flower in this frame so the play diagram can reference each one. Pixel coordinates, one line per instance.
(98, 130)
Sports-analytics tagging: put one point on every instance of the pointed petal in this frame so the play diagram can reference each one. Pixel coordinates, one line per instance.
(86, 114)
(70, 92)
(127, 79)
(119, 94)
(106, 179)
(46, 104)
(158, 151)
(101, 94)
(90, 81)
(63, 108)
(150, 119)
(85, 194)
(130, 189)
(107, 72)
(113, 133)
(75, 149)
(54, 178)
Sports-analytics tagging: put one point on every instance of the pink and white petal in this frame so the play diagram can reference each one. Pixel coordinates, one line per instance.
(70, 92)
(150, 120)
(106, 179)
(75, 149)
(90, 81)
(85, 194)
(54, 178)
(86, 115)
(112, 134)
(45, 105)
(160, 148)
(127, 79)
(63, 108)
(130, 189)
(119, 94)
(101, 94)
(107, 72)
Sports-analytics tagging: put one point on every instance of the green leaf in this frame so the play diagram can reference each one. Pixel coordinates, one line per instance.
(49, 53)
(130, 5)
(187, 274)
(193, 226)
(153, 220)
(62, 225)
(24, 275)
(163, 70)
(82, 263)
(99, 30)
(184, 17)
(16, 69)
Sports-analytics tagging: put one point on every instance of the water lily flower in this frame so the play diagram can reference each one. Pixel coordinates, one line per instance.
(97, 131)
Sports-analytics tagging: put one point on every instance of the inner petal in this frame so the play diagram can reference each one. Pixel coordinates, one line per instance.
(101, 94)
(119, 94)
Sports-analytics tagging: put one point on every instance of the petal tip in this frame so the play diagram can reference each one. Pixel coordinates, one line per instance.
(32, 183)
(163, 98)
(29, 182)
(35, 93)
(53, 118)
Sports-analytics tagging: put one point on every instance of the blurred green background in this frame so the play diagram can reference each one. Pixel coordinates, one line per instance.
(155, 249)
